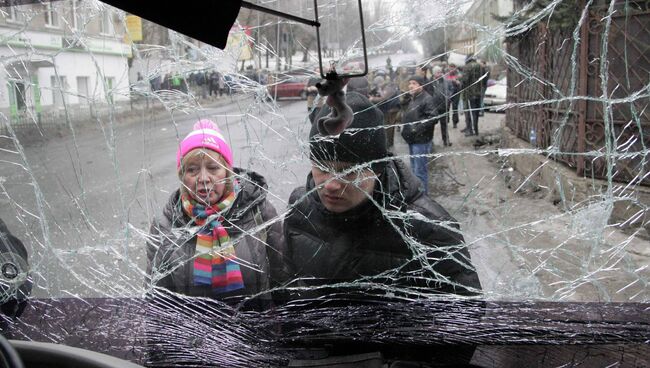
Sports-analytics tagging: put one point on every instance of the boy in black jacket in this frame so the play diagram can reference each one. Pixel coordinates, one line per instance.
(363, 221)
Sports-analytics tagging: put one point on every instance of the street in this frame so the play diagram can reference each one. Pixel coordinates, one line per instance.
(99, 192)
(522, 243)
(99, 188)
(99, 197)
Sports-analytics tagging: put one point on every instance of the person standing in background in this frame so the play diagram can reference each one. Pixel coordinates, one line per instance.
(472, 90)
(454, 89)
(441, 89)
(485, 72)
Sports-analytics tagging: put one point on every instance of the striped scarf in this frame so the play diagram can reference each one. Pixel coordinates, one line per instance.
(214, 259)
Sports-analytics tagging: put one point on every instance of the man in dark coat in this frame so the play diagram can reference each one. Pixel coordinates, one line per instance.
(363, 223)
(420, 112)
(443, 88)
(471, 81)
(485, 74)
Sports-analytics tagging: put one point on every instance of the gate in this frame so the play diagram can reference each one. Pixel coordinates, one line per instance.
(553, 75)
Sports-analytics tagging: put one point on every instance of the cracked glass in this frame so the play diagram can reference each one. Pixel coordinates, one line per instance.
(171, 203)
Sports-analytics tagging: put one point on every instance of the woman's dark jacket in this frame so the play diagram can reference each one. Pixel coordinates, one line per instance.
(250, 224)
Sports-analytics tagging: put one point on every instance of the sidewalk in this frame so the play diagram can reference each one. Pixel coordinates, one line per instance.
(522, 244)
(123, 113)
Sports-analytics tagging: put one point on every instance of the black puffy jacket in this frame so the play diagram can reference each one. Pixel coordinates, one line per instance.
(412, 243)
(419, 117)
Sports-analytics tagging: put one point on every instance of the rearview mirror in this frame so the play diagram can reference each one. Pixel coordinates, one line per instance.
(339, 49)
(338, 43)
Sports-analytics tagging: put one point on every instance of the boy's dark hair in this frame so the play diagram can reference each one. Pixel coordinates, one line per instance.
(364, 141)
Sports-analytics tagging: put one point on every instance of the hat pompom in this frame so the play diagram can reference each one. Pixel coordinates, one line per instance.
(363, 142)
(205, 124)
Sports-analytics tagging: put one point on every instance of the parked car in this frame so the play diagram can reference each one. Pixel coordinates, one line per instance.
(288, 87)
(496, 94)
(352, 67)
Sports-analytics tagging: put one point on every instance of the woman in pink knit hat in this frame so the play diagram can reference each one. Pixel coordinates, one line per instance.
(218, 233)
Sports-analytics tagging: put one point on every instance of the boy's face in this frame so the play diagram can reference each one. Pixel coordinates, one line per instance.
(341, 187)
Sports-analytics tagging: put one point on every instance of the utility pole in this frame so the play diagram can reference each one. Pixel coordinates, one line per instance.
(268, 46)
(277, 41)
(338, 33)
(258, 41)
(289, 50)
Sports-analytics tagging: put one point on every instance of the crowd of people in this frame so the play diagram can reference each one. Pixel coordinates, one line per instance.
(416, 99)
(446, 83)
(204, 83)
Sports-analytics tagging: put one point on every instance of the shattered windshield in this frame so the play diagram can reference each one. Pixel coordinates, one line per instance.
(219, 206)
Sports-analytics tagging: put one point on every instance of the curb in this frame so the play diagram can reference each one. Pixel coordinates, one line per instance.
(131, 113)
(578, 191)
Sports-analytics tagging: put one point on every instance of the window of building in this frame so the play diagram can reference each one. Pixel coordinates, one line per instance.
(19, 91)
(59, 90)
(77, 19)
(15, 14)
(110, 84)
(106, 23)
(51, 16)
(82, 88)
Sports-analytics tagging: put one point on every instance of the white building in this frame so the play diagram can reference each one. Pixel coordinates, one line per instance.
(64, 53)
(480, 29)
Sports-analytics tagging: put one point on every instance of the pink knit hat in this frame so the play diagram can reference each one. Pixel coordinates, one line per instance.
(204, 134)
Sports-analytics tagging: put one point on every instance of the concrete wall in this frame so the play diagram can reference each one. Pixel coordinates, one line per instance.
(571, 191)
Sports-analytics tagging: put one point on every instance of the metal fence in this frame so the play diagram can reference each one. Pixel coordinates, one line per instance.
(554, 70)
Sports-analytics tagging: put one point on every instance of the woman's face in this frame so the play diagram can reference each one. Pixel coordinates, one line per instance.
(204, 175)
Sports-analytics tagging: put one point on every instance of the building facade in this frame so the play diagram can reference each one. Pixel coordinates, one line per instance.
(480, 31)
(61, 54)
